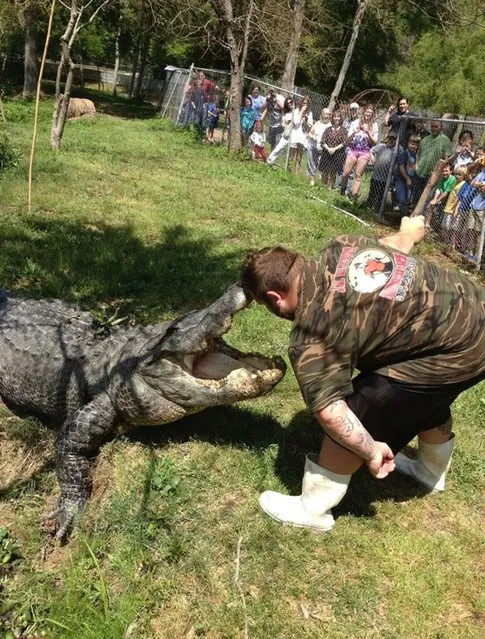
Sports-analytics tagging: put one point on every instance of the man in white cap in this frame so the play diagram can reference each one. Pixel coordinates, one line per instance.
(353, 115)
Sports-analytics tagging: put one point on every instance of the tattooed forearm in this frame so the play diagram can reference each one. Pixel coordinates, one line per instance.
(344, 427)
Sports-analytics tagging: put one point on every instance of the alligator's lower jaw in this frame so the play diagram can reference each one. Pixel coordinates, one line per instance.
(217, 365)
(241, 383)
(241, 376)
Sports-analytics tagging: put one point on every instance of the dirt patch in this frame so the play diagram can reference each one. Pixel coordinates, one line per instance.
(7, 517)
(102, 474)
(20, 461)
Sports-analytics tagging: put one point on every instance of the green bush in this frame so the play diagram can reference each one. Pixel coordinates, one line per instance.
(9, 155)
(18, 111)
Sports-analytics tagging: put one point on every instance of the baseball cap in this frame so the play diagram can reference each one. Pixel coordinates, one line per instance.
(354, 105)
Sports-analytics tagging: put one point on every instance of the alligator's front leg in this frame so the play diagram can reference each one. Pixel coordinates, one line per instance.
(80, 437)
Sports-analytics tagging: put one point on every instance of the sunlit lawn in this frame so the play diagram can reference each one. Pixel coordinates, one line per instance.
(136, 216)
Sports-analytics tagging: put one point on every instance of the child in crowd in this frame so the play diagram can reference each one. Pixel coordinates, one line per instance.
(383, 155)
(436, 205)
(248, 118)
(258, 138)
(406, 165)
(450, 219)
(463, 154)
(213, 115)
(480, 155)
(465, 197)
(477, 217)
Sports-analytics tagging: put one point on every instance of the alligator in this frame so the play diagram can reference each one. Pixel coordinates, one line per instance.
(58, 366)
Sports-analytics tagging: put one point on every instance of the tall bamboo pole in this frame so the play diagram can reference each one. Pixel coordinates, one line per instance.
(37, 100)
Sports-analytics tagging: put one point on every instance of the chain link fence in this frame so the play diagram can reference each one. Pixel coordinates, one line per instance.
(427, 163)
(424, 163)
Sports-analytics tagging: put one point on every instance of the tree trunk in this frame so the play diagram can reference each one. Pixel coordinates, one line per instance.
(430, 185)
(134, 69)
(59, 116)
(288, 78)
(137, 94)
(238, 52)
(359, 15)
(31, 61)
(237, 80)
(117, 58)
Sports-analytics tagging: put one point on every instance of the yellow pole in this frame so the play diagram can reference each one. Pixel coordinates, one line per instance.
(37, 99)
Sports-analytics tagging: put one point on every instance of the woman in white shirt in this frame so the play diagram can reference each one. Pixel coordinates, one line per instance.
(302, 123)
(287, 122)
(297, 123)
(314, 148)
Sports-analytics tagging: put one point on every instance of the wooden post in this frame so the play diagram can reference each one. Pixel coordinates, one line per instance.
(431, 183)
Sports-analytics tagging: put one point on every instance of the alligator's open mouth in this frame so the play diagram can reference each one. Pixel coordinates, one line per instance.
(219, 360)
(196, 351)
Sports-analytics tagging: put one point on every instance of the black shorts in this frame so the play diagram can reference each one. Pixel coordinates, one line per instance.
(395, 412)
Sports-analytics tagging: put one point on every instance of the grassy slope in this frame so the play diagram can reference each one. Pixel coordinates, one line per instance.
(133, 214)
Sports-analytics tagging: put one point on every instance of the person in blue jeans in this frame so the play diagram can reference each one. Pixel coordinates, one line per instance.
(406, 165)
(477, 216)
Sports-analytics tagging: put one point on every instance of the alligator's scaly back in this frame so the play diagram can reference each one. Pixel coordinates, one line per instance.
(54, 365)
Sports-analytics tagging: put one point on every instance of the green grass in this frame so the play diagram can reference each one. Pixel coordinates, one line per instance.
(135, 216)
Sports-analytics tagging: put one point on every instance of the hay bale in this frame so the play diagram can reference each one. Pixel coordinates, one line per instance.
(80, 108)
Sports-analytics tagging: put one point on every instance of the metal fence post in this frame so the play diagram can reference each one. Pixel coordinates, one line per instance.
(390, 174)
(186, 86)
(480, 243)
(288, 147)
(171, 95)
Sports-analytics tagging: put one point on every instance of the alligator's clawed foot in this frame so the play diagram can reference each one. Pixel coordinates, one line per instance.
(67, 514)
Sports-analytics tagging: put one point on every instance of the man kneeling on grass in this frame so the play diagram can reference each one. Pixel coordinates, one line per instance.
(416, 333)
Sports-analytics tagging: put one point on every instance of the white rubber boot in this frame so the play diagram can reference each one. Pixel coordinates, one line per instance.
(321, 490)
(431, 465)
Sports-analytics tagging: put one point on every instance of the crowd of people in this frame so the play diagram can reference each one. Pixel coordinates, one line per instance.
(340, 146)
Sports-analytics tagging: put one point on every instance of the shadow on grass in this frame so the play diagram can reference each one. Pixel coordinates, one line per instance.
(43, 256)
(242, 428)
(223, 425)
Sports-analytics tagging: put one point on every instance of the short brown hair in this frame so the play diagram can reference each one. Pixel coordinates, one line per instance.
(267, 270)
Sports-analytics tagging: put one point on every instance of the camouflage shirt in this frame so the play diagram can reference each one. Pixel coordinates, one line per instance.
(369, 307)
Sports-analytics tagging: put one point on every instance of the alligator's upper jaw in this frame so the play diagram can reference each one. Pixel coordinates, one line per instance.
(193, 366)
(193, 331)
